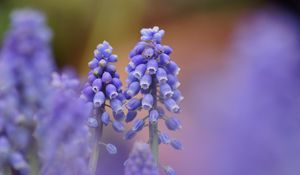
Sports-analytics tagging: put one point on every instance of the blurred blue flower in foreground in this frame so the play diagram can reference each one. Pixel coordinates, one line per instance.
(153, 74)
(141, 161)
(26, 64)
(62, 134)
(103, 85)
(252, 110)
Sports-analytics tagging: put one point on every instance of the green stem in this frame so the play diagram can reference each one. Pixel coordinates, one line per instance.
(153, 127)
(33, 159)
(97, 136)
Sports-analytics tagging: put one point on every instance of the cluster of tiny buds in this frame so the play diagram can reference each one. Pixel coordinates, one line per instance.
(104, 84)
(151, 66)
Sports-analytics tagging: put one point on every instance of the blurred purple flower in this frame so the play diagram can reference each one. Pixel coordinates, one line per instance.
(62, 134)
(141, 161)
(26, 65)
(250, 113)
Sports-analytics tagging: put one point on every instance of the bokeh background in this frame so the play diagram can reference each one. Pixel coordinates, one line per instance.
(240, 74)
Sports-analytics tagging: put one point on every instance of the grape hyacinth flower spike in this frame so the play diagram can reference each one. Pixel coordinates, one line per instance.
(62, 134)
(26, 64)
(153, 74)
(103, 86)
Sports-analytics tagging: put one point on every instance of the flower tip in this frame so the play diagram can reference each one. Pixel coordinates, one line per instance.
(111, 149)
(169, 170)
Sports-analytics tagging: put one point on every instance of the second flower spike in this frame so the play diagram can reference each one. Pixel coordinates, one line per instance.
(103, 93)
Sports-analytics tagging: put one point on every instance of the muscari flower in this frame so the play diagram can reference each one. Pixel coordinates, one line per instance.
(103, 90)
(26, 65)
(104, 85)
(153, 74)
(141, 161)
(62, 135)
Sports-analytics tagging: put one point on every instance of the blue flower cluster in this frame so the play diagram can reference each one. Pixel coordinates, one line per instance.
(153, 74)
(61, 133)
(27, 55)
(104, 84)
(141, 161)
(26, 65)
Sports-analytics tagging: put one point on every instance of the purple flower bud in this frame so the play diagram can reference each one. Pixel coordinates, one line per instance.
(122, 98)
(97, 54)
(113, 58)
(116, 75)
(93, 64)
(173, 68)
(105, 118)
(176, 144)
(111, 91)
(148, 53)
(164, 138)
(119, 116)
(118, 126)
(173, 124)
(153, 116)
(98, 71)
(131, 78)
(167, 49)
(171, 105)
(139, 48)
(133, 89)
(161, 75)
(117, 82)
(97, 85)
(18, 163)
(129, 134)
(102, 63)
(169, 170)
(110, 68)
(133, 104)
(146, 81)
(99, 99)
(177, 96)
(92, 122)
(139, 71)
(166, 90)
(173, 81)
(88, 93)
(111, 149)
(130, 116)
(116, 105)
(106, 77)
(164, 59)
(136, 60)
(147, 101)
(152, 66)
(138, 125)
(129, 68)
(91, 77)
